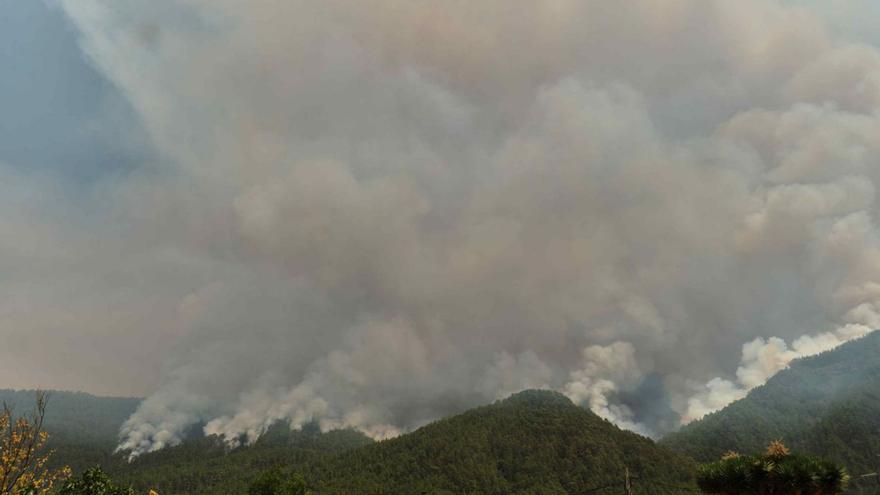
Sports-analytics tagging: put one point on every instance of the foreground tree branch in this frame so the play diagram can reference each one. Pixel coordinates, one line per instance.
(23, 454)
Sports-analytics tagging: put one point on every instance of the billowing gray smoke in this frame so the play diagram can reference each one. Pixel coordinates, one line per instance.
(377, 213)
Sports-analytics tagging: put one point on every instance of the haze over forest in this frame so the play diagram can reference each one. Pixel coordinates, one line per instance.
(372, 215)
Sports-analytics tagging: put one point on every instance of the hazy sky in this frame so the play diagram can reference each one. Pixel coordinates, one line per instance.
(57, 108)
(65, 133)
(373, 214)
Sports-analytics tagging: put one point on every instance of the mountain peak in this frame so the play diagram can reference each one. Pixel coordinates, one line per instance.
(538, 397)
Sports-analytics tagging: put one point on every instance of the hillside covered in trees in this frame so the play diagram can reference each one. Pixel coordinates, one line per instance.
(204, 465)
(828, 405)
(84, 431)
(532, 442)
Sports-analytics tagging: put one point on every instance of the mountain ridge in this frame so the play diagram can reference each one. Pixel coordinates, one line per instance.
(535, 441)
(827, 404)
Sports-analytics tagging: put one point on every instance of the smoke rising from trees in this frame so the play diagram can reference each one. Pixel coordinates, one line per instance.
(372, 214)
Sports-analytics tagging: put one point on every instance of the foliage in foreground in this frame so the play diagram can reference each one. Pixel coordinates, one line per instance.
(776, 472)
(95, 481)
(23, 456)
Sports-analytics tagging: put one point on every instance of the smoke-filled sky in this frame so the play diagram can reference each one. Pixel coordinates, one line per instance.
(374, 214)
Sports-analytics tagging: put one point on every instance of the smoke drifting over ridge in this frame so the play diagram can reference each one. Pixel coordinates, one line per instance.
(372, 214)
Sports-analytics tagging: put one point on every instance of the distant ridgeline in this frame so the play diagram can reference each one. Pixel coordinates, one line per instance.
(83, 428)
(828, 404)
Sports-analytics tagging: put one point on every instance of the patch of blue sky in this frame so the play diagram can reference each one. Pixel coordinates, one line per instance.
(58, 115)
(850, 19)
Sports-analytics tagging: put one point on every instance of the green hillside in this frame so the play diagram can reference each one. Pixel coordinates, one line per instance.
(205, 466)
(827, 405)
(532, 442)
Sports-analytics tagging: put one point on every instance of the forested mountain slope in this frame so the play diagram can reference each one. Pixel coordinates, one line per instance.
(532, 442)
(203, 465)
(828, 404)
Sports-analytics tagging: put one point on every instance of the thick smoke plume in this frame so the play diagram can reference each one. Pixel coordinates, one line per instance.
(373, 214)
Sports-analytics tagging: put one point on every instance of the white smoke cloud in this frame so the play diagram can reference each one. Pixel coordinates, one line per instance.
(373, 214)
(606, 370)
(761, 359)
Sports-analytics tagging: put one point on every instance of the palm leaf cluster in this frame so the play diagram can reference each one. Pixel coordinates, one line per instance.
(776, 472)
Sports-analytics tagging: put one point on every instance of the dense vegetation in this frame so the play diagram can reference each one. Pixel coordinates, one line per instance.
(24, 454)
(827, 405)
(276, 482)
(205, 466)
(94, 481)
(532, 442)
(774, 472)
